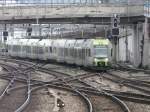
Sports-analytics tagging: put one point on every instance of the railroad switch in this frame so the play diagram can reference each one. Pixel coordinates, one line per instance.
(47, 92)
(7, 93)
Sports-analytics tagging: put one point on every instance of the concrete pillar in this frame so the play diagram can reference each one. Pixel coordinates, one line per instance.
(126, 44)
(146, 53)
(137, 37)
(11, 30)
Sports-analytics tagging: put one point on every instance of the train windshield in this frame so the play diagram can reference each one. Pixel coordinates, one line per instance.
(101, 52)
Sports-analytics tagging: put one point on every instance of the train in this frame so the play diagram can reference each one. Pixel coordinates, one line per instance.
(82, 52)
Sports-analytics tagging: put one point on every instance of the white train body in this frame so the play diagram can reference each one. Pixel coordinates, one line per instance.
(85, 52)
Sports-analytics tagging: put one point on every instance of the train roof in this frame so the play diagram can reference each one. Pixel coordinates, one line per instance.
(49, 41)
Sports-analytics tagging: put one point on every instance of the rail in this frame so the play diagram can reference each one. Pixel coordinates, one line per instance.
(24, 105)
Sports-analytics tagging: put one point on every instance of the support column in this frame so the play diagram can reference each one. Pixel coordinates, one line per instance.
(137, 37)
(146, 52)
(11, 30)
(126, 43)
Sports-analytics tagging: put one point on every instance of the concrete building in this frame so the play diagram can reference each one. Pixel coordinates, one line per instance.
(134, 45)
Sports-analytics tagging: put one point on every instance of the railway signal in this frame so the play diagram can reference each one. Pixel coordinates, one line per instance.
(29, 30)
(5, 35)
(115, 25)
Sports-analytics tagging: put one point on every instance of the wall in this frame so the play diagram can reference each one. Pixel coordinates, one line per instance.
(132, 52)
(146, 59)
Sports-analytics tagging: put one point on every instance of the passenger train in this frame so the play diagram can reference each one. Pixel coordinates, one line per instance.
(83, 52)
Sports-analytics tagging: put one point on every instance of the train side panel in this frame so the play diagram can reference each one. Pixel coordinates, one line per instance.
(69, 51)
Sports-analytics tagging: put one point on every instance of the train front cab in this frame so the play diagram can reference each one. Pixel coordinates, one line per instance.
(101, 53)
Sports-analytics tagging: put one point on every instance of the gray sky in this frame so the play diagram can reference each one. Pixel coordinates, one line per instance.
(71, 1)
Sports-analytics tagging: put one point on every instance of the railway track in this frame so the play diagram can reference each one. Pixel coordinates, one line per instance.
(63, 80)
(60, 80)
(123, 106)
(138, 85)
(7, 99)
(131, 69)
(29, 90)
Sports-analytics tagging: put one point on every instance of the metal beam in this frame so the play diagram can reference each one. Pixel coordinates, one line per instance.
(75, 20)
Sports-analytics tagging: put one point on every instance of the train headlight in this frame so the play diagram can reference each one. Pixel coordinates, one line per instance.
(106, 60)
(95, 60)
(63, 104)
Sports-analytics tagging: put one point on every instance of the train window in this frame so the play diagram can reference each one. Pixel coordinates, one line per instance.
(149, 30)
(40, 50)
(89, 52)
(28, 49)
(111, 52)
(62, 51)
(59, 51)
(54, 49)
(71, 52)
(75, 53)
(46, 49)
(9, 47)
(83, 53)
(79, 51)
(19, 48)
(12, 47)
(34, 49)
(50, 49)
(37, 51)
(15, 48)
(66, 52)
(23, 48)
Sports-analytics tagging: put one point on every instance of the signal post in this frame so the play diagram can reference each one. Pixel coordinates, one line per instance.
(115, 34)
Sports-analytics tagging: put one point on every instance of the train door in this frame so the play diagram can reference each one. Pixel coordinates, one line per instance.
(64, 55)
(84, 52)
(45, 52)
(47, 45)
(74, 52)
(79, 56)
(55, 48)
(52, 50)
(88, 50)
